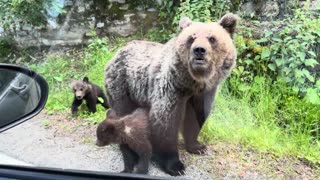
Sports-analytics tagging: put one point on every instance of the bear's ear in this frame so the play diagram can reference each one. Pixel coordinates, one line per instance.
(72, 84)
(110, 128)
(229, 22)
(184, 22)
(111, 114)
(86, 79)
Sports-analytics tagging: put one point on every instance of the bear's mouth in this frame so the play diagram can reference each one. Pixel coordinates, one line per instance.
(199, 67)
(199, 64)
(79, 97)
(199, 61)
(101, 144)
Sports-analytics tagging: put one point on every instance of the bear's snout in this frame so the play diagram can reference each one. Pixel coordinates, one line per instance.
(79, 97)
(99, 143)
(199, 52)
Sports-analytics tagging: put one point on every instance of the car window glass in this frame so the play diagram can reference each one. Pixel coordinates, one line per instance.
(19, 95)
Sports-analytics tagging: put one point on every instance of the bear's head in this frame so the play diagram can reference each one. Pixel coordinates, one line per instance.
(81, 87)
(106, 131)
(206, 49)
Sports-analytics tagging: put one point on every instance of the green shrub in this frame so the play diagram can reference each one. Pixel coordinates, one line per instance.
(172, 11)
(29, 12)
(267, 115)
(287, 49)
(60, 70)
(7, 47)
(270, 102)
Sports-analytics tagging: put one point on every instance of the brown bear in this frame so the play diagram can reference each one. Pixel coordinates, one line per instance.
(90, 92)
(132, 133)
(177, 81)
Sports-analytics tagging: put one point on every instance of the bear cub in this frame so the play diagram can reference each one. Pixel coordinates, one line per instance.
(85, 90)
(132, 133)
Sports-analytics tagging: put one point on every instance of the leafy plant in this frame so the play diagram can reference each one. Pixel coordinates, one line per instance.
(7, 47)
(172, 11)
(267, 115)
(26, 11)
(159, 35)
(284, 49)
(60, 70)
(195, 10)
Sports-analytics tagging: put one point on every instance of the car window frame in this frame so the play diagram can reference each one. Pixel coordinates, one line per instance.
(43, 96)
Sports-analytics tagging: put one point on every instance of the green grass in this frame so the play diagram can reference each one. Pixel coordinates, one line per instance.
(255, 120)
(264, 115)
(60, 70)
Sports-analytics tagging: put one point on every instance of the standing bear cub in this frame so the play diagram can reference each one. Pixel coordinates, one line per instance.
(132, 133)
(84, 90)
(177, 81)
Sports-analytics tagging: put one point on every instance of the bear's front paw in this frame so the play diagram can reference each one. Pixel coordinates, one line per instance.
(126, 171)
(176, 169)
(197, 148)
(74, 111)
(140, 171)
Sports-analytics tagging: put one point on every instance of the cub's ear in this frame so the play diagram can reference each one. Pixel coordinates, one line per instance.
(184, 22)
(71, 85)
(110, 128)
(229, 23)
(111, 114)
(86, 79)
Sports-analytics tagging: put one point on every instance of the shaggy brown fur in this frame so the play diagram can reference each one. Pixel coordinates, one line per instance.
(177, 81)
(132, 133)
(83, 89)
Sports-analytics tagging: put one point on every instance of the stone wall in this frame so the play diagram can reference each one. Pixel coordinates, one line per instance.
(71, 22)
(79, 18)
(273, 9)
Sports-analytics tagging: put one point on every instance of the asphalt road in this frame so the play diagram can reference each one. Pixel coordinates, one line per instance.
(31, 143)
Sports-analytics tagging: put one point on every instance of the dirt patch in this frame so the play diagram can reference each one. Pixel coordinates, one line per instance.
(230, 161)
(223, 160)
(66, 126)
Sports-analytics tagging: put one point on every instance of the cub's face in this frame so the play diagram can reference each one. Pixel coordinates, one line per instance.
(80, 88)
(106, 133)
(207, 48)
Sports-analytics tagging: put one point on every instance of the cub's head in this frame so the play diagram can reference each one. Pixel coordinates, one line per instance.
(80, 87)
(106, 131)
(207, 48)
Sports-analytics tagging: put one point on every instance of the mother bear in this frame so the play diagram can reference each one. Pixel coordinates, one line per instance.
(177, 81)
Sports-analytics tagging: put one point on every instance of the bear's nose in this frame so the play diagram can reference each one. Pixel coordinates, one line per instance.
(79, 97)
(199, 51)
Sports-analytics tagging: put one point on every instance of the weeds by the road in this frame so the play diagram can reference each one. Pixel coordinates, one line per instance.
(60, 70)
(259, 119)
(265, 115)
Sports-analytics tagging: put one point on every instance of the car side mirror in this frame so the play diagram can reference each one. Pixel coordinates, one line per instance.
(23, 94)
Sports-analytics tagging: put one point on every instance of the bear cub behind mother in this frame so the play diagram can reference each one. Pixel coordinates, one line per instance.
(177, 81)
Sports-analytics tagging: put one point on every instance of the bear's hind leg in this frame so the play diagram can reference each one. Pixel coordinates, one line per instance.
(103, 96)
(169, 162)
(143, 150)
(92, 104)
(122, 105)
(165, 134)
(130, 159)
(142, 166)
(105, 101)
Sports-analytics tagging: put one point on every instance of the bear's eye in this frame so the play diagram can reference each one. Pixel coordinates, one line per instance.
(74, 90)
(226, 64)
(190, 40)
(212, 40)
(81, 89)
